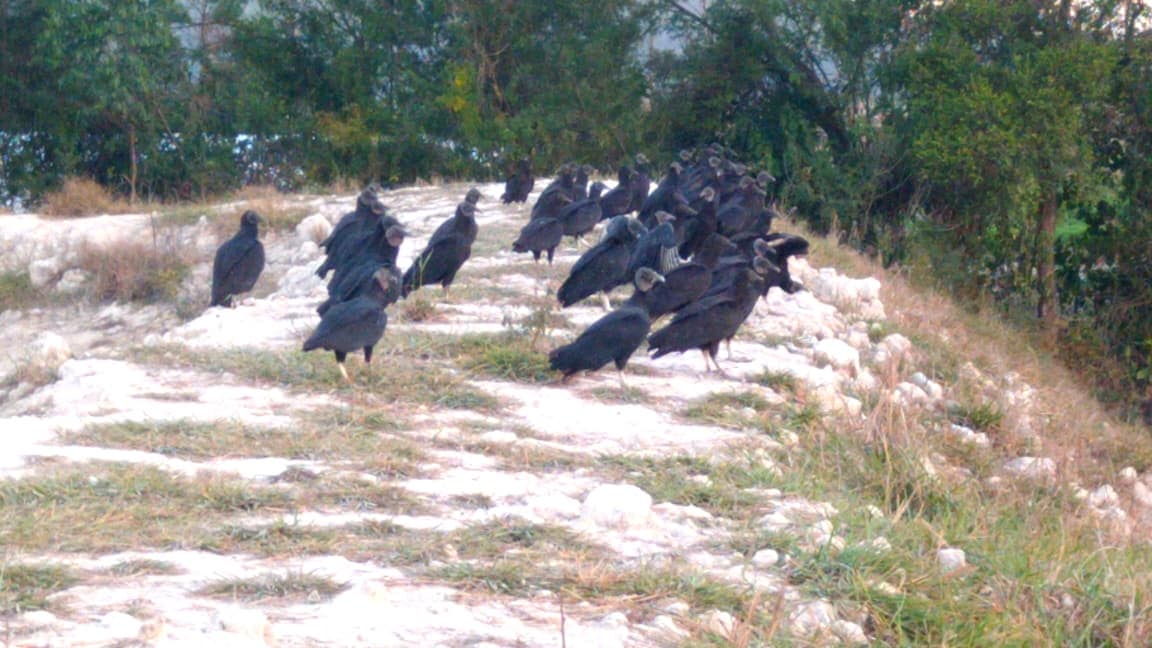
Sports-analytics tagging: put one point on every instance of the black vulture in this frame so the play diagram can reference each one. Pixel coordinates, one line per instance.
(662, 197)
(740, 212)
(580, 217)
(707, 322)
(580, 184)
(351, 230)
(447, 250)
(698, 228)
(641, 184)
(360, 280)
(699, 177)
(656, 248)
(519, 183)
(556, 195)
(612, 338)
(239, 262)
(381, 248)
(780, 248)
(604, 265)
(355, 278)
(682, 286)
(617, 200)
(540, 235)
(355, 324)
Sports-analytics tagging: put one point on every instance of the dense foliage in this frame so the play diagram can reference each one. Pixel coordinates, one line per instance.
(998, 146)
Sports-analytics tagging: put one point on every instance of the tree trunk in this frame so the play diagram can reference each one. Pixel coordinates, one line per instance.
(132, 163)
(1048, 305)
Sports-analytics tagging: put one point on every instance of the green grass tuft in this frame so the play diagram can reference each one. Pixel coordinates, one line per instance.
(27, 587)
(289, 586)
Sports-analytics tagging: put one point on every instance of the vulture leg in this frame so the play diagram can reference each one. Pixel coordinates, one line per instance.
(604, 301)
(620, 373)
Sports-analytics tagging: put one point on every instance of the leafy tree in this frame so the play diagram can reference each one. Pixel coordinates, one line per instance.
(558, 81)
(999, 97)
(120, 74)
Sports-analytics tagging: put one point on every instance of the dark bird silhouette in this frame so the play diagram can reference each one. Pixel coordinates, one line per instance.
(381, 247)
(239, 262)
(656, 248)
(781, 247)
(739, 213)
(580, 184)
(604, 265)
(700, 226)
(353, 325)
(359, 281)
(612, 338)
(707, 322)
(641, 184)
(356, 278)
(580, 217)
(519, 183)
(447, 250)
(682, 285)
(540, 235)
(351, 230)
(662, 197)
(556, 195)
(617, 200)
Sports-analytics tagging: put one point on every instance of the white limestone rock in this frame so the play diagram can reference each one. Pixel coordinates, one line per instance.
(907, 394)
(313, 229)
(969, 435)
(1040, 468)
(39, 618)
(301, 281)
(617, 506)
(252, 624)
(73, 281)
(719, 622)
(119, 625)
(49, 351)
(668, 627)
(42, 272)
(812, 619)
(837, 354)
(1104, 497)
(950, 559)
(766, 558)
(1142, 494)
(849, 633)
(306, 253)
(895, 345)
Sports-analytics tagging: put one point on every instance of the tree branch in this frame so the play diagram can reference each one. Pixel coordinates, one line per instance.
(697, 18)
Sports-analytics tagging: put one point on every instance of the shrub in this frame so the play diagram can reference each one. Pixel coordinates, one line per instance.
(16, 290)
(134, 270)
(80, 197)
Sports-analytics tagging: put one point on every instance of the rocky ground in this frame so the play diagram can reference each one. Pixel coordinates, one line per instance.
(200, 481)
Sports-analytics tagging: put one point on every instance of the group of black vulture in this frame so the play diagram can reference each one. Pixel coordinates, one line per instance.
(361, 252)
(699, 249)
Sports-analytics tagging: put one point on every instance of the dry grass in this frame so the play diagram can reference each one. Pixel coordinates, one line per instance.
(1068, 424)
(322, 436)
(78, 197)
(138, 270)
